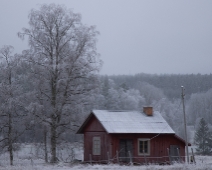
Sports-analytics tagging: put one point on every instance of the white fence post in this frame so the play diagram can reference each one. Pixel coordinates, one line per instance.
(145, 158)
(90, 158)
(117, 155)
(179, 155)
(170, 161)
(131, 163)
(193, 155)
(108, 157)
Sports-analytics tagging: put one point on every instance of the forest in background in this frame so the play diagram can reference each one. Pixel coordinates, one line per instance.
(132, 92)
(163, 92)
(170, 84)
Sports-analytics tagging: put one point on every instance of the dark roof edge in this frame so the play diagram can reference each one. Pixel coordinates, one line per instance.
(79, 131)
(181, 140)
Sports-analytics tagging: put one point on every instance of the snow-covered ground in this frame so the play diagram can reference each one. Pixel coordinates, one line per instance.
(30, 157)
(23, 165)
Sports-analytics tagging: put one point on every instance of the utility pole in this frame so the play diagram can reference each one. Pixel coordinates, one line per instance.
(185, 127)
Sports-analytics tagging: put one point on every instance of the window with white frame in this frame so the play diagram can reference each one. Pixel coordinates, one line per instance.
(143, 146)
(96, 145)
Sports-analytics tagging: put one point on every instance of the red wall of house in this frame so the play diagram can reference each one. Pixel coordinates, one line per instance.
(158, 146)
(94, 128)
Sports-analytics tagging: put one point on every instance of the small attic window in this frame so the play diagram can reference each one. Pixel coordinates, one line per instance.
(96, 145)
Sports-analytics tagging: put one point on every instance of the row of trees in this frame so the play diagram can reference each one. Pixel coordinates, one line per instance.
(198, 108)
(121, 97)
(112, 96)
(199, 105)
(169, 83)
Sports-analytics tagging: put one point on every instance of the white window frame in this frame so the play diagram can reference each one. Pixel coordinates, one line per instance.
(148, 146)
(96, 145)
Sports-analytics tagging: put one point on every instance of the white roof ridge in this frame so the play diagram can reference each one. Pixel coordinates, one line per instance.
(116, 123)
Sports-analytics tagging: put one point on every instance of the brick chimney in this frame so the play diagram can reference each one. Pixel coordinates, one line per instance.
(148, 111)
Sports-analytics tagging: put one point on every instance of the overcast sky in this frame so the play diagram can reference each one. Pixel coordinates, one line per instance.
(136, 36)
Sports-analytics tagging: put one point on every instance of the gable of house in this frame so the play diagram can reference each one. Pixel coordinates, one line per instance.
(91, 124)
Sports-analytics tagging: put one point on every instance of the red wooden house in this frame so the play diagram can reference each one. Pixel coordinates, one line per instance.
(130, 136)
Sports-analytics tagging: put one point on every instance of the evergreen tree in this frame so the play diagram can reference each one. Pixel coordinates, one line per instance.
(203, 138)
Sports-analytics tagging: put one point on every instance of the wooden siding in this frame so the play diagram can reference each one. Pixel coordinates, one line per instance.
(94, 126)
(158, 146)
(88, 146)
(110, 143)
(92, 129)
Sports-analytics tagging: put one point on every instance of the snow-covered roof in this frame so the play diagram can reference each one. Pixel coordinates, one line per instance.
(132, 122)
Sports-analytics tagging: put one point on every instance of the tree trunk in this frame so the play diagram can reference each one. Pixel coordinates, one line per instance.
(11, 154)
(53, 142)
(45, 144)
(53, 123)
(10, 145)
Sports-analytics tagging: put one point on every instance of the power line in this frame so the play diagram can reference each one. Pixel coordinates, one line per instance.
(167, 123)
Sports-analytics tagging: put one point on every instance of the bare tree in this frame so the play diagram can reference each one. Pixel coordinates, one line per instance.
(12, 111)
(64, 64)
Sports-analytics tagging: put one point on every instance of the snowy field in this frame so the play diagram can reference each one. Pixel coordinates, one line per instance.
(30, 157)
(38, 165)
